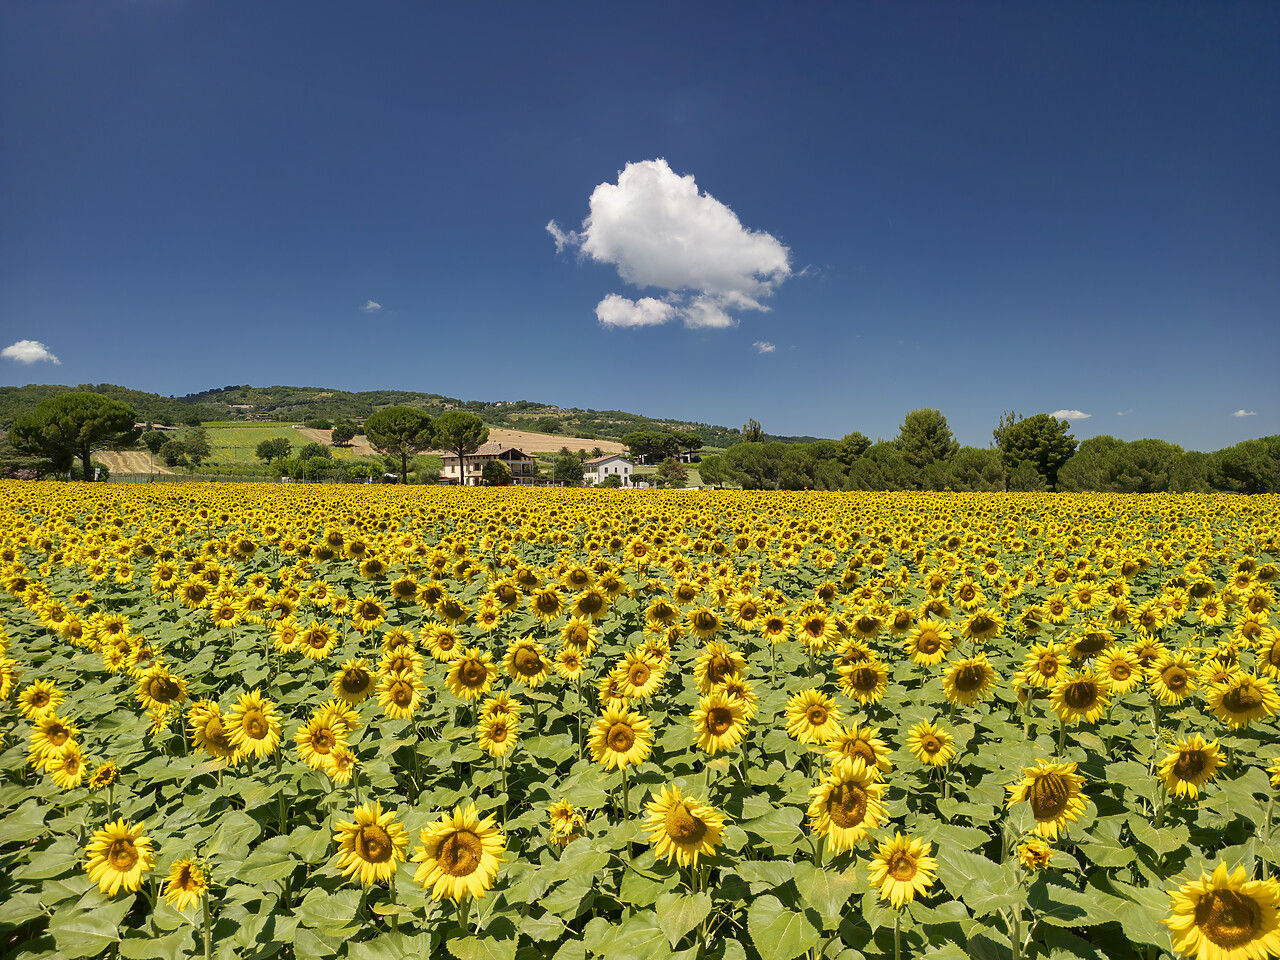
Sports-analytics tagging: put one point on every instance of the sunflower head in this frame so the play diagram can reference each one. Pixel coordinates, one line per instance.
(682, 828)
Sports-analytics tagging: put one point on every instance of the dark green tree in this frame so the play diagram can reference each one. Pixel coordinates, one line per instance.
(567, 470)
(174, 453)
(852, 446)
(752, 432)
(1007, 420)
(400, 432)
(73, 425)
(342, 434)
(313, 449)
(712, 471)
(195, 441)
(496, 473)
(1041, 440)
(153, 440)
(673, 473)
(975, 468)
(462, 434)
(272, 449)
(1252, 466)
(925, 437)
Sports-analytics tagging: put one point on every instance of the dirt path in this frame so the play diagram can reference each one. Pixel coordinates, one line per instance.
(130, 461)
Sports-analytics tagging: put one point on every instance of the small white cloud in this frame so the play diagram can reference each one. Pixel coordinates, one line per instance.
(659, 230)
(1239, 413)
(1071, 415)
(764, 346)
(371, 307)
(618, 311)
(28, 352)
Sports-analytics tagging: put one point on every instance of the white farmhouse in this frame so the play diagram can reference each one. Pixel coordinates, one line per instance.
(597, 469)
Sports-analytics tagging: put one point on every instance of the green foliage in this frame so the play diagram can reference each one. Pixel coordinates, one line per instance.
(400, 432)
(568, 469)
(975, 468)
(73, 425)
(318, 423)
(496, 473)
(549, 425)
(752, 432)
(195, 443)
(342, 434)
(462, 434)
(852, 446)
(924, 437)
(713, 472)
(672, 473)
(649, 445)
(1249, 467)
(312, 450)
(272, 449)
(1025, 478)
(153, 440)
(1041, 440)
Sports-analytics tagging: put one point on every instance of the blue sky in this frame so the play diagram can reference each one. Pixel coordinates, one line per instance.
(975, 207)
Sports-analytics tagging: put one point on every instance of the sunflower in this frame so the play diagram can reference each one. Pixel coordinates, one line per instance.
(1226, 916)
(50, 734)
(67, 766)
(187, 883)
(316, 740)
(930, 744)
(742, 690)
(591, 604)
(775, 627)
(158, 688)
(566, 821)
(1122, 669)
(746, 610)
(254, 725)
(928, 644)
(498, 733)
(1243, 698)
(1053, 791)
(716, 664)
(104, 776)
(569, 663)
(682, 828)
(719, 722)
(459, 854)
(864, 743)
(981, 625)
(526, 662)
(316, 642)
(1190, 765)
(969, 681)
(1035, 855)
(619, 738)
(817, 631)
(703, 622)
(902, 869)
(580, 635)
(547, 604)
(354, 682)
(846, 805)
(864, 681)
(38, 697)
(865, 625)
(638, 677)
(208, 731)
(400, 694)
(370, 846)
(812, 717)
(119, 855)
(367, 613)
(1082, 695)
(1173, 679)
(471, 675)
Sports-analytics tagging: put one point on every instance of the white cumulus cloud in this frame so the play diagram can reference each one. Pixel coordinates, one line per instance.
(371, 306)
(617, 311)
(1071, 415)
(1239, 413)
(28, 352)
(660, 231)
(764, 346)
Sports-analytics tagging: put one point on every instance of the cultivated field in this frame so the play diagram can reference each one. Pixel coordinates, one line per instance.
(382, 722)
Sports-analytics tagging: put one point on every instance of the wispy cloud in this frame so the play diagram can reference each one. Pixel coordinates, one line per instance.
(28, 352)
(371, 306)
(1123, 413)
(1071, 415)
(660, 231)
(1239, 413)
(764, 346)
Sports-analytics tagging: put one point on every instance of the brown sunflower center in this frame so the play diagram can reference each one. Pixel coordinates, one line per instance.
(1190, 764)
(58, 734)
(816, 715)
(864, 679)
(1049, 796)
(401, 694)
(164, 690)
(815, 626)
(1048, 665)
(254, 725)
(621, 738)
(547, 602)
(460, 853)
(719, 719)
(527, 662)
(355, 680)
(373, 844)
(638, 674)
(1080, 694)
(473, 673)
(122, 855)
(719, 668)
(929, 643)
(682, 826)
(1242, 699)
(902, 866)
(322, 741)
(1120, 671)
(847, 805)
(1228, 918)
(970, 677)
(1175, 678)
(591, 603)
(705, 620)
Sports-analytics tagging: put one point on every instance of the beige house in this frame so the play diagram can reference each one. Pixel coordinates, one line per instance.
(597, 469)
(523, 466)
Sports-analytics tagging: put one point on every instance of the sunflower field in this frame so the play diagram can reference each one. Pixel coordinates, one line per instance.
(506, 724)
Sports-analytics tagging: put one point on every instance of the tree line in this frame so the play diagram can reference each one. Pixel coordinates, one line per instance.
(1027, 454)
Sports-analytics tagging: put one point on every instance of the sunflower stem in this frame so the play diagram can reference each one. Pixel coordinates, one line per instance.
(1062, 735)
(208, 928)
(464, 907)
(626, 784)
(897, 936)
(578, 689)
